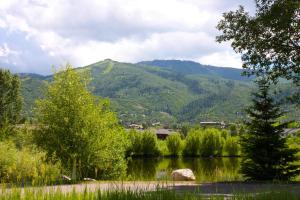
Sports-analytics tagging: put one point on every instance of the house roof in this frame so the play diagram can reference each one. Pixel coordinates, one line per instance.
(163, 131)
(289, 131)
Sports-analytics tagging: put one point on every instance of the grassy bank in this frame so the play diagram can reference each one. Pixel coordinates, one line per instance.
(18, 194)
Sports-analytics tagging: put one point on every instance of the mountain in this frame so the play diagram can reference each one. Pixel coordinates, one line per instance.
(163, 91)
(190, 67)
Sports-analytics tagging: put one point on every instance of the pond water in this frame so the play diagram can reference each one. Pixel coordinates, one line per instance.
(205, 169)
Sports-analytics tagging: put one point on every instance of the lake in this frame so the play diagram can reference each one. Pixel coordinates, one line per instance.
(205, 169)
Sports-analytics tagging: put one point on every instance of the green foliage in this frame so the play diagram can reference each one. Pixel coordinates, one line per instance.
(10, 100)
(268, 41)
(211, 142)
(147, 94)
(184, 129)
(25, 165)
(141, 194)
(135, 140)
(232, 147)
(79, 129)
(293, 125)
(193, 143)
(143, 143)
(266, 155)
(149, 143)
(174, 144)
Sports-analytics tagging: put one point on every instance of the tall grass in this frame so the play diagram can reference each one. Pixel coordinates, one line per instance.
(42, 194)
(26, 165)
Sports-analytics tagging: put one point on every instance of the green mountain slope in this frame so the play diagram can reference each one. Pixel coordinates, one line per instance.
(144, 93)
(190, 67)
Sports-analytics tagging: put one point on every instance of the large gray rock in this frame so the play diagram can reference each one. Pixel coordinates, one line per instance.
(183, 175)
(89, 179)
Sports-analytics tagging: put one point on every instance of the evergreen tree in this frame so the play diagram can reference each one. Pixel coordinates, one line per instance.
(266, 154)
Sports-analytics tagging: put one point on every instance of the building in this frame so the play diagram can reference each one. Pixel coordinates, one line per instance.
(213, 124)
(136, 126)
(163, 133)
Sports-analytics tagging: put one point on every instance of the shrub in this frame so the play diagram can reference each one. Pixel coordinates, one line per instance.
(149, 144)
(142, 143)
(193, 143)
(211, 142)
(21, 166)
(135, 143)
(162, 147)
(208, 142)
(174, 144)
(232, 147)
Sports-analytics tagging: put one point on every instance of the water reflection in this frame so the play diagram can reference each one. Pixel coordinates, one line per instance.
(205, 169)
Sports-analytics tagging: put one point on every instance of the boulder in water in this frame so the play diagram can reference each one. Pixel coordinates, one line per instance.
(183, 175)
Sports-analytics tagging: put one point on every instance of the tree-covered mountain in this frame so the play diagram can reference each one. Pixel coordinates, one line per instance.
(191, 67)
(164, 91)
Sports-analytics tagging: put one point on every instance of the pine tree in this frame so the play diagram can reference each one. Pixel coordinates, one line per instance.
(266, 153)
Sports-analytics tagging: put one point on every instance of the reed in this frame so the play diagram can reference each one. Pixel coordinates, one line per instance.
(42, 194)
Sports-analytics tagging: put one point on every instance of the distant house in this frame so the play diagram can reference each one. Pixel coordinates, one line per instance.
(291, 131)
(156, 124)
(163, 133)
(136, 126)
(213, 124)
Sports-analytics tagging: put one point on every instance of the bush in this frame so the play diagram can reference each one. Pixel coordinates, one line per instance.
(22, 166)
(142, 144)
(149, 143)
(163, 148)
(212, 143)
(208, 142)
(174, 144)
(232, 147)
(135, 143)
(193, 143)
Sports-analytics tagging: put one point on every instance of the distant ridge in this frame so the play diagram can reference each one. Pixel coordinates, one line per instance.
(190, 67)
(168, 91)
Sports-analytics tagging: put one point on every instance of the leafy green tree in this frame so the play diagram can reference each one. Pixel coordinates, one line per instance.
(79, 129)
(269, 41)
(266, 155)
(10, 99)
(174, 144)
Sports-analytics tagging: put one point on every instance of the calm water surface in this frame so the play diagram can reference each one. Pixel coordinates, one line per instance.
(205, 169)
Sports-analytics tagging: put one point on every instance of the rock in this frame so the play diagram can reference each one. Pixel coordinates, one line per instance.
(89, 179)
(183, 175)
(64, 178)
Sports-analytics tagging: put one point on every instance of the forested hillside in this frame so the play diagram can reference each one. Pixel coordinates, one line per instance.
(160, 91)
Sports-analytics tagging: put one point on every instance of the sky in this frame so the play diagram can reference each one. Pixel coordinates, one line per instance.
(36, 35)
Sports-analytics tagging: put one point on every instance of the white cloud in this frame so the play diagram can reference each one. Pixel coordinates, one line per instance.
(86, 31)
(225, 59)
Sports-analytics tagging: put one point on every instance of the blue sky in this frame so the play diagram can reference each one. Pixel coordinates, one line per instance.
(38, 34)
